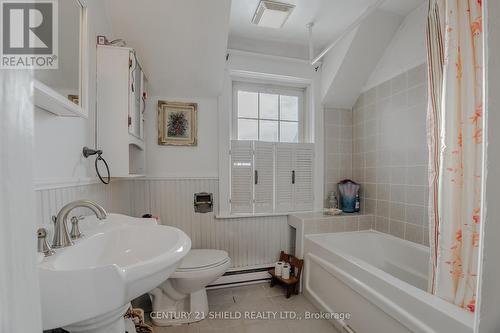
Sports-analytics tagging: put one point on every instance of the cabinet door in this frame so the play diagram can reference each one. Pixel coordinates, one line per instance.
(303, 187)
(284, 177)
(135, 98)
(264, 177)
(142, 105)
(241, 177)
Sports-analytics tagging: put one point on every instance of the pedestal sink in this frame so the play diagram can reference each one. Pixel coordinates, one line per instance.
(87, 287)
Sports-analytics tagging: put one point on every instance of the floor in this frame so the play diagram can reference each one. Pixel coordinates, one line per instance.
(257, 297)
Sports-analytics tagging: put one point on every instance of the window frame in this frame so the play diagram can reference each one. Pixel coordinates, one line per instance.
(269, 89)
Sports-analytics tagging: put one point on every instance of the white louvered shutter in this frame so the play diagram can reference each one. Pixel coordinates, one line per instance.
(241, 177)
(264, 177)
(303, 187)
(284, 167)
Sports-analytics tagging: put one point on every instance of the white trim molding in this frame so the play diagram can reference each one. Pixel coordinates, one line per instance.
(48, 99)
(267, 56)
(48, 184)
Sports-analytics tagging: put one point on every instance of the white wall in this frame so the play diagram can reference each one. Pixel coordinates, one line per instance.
(368, 45)
(19, 300)
(332, 61)
(59, 140)
(269, 64)
(276, 48)
(487, 319)
(182, 43)
(181, 162)
(406, 50)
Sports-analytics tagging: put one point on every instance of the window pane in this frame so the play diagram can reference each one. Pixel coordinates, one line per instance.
(289, 108)
(248, 129)
(269, 106)
(268, 130)
(248, 104)
(289, 132)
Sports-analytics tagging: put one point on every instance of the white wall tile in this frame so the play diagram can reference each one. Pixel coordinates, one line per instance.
(339, 135)
(390, 153)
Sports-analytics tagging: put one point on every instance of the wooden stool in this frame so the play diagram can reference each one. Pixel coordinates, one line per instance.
(292, 284)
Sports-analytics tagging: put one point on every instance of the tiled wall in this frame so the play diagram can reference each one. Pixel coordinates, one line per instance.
(390, 154)
(317, 223)
(338, 148)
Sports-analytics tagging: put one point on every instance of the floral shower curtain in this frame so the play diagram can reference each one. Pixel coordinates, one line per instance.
(454, 54)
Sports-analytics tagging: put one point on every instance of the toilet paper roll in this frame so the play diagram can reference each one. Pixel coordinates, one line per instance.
(278, 267)
(285, 272)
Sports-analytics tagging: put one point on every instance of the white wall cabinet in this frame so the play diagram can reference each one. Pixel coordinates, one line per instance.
(268, 178)
(120, 110)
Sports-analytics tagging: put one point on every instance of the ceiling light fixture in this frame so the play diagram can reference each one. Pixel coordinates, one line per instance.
(272, 14)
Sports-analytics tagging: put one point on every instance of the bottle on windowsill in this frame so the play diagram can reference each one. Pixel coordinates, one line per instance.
(358, 204)
(333, 202)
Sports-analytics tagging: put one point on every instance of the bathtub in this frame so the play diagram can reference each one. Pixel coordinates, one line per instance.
(380, 280)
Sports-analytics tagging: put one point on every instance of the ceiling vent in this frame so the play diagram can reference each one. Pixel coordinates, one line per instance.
(272, 14)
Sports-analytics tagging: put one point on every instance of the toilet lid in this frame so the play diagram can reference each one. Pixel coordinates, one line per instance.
(203, 259)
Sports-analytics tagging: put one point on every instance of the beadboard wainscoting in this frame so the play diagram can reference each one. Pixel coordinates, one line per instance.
(250, 241)
(50, 199)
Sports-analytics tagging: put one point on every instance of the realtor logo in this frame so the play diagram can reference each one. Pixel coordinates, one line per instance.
(29, 36)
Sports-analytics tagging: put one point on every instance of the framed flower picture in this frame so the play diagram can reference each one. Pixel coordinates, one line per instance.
(177, 123)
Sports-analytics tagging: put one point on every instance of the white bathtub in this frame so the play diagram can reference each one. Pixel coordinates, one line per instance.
(380, 280)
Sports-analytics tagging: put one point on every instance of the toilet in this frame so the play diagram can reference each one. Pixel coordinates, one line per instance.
(183, 298)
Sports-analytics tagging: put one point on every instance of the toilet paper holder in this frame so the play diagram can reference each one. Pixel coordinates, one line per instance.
(203, 202)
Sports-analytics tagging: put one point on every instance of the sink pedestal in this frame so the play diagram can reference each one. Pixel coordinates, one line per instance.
(111, 322)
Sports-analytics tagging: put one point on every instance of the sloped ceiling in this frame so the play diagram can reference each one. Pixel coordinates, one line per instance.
(348, 66)
(330, 17)
(181, 43)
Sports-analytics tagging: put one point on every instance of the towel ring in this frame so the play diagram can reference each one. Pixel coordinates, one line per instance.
(89, 152)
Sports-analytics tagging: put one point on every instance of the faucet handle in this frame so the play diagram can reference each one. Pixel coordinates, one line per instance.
(43, 245)
(75, 230)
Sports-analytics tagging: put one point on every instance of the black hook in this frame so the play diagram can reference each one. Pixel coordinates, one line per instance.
(89, 152)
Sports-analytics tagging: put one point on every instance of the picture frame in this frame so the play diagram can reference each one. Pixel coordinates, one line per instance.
(177, 123)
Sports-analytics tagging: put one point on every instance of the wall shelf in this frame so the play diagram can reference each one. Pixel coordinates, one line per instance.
(130, 176)
(51, 101)
(133, 140)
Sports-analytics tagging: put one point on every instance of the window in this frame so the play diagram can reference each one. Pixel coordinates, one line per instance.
(268, 113)
(270, 177)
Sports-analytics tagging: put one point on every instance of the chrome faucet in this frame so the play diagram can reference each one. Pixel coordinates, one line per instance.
(61, 234)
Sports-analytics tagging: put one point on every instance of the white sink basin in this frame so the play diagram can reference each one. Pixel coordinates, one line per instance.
(87, 287)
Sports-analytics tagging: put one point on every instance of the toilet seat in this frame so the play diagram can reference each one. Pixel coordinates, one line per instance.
(202, 259)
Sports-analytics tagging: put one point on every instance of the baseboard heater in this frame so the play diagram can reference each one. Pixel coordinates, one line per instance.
(242, 276)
